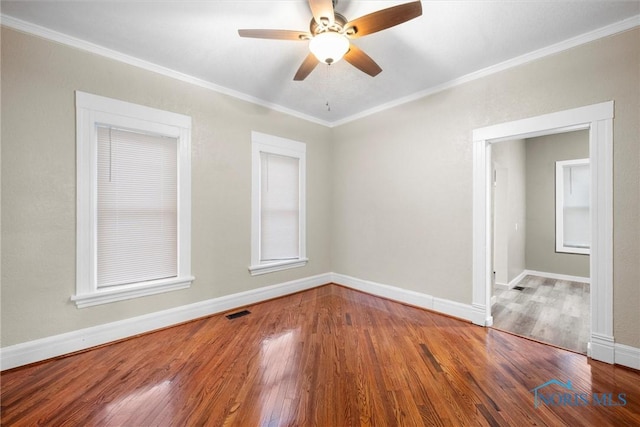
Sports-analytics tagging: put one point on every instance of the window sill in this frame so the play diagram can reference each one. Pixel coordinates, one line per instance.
(258, 269)
(573, 250)
(124, 292)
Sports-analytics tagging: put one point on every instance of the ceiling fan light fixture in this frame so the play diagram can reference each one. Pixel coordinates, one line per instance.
(329, 47)
(330, 33)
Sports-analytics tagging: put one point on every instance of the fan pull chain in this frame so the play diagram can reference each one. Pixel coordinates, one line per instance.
(328, 89)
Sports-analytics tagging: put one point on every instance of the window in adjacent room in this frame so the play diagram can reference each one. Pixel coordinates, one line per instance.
(573, 229)
(278, 204)
(134, 200)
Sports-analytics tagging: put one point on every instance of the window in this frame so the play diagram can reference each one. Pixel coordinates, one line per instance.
(278, 204)
(133, 200)
(572, 206)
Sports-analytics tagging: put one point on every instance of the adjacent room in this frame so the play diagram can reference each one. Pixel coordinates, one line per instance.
(541, 284)
(320, 212)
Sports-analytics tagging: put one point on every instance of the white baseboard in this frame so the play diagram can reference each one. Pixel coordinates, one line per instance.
(556, 276)
(418, 299)
(601, 348)
(544, 274)
(82, 339)
(604, 349)
(627, 356)
(512, 284)
(513, 281)
(479, 315)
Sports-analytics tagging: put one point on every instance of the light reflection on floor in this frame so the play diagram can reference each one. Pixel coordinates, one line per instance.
(121, 409)
(279, 379)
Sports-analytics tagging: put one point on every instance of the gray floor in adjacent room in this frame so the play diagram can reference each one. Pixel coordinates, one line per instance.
(548, 310)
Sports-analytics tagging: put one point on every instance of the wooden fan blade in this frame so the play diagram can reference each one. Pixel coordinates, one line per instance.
(382, 19)
(322, 9)
(275, 34)
(363, 62)
(307, 67)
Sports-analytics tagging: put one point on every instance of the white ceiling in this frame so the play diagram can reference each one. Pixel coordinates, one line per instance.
(452, 39)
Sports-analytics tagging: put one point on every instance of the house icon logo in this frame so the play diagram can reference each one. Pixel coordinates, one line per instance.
(537, 393)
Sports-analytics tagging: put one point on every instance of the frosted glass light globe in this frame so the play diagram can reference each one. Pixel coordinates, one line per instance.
(329, 47)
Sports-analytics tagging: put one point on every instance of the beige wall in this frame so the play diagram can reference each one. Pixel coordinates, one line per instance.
(542, 154)
(38, 185)
(509, 163)
(402, 209)
(389, 195)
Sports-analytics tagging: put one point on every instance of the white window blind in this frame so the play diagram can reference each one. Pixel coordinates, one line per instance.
(279, 207)
(137, 234)
(573, 222)
(576, 206)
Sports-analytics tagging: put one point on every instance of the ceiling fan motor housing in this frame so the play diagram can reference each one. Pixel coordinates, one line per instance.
(338, 25)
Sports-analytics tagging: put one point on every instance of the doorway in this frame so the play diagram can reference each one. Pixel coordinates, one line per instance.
(598, 120)
(540, 291)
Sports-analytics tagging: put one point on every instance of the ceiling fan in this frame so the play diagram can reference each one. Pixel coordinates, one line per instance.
(330, 33)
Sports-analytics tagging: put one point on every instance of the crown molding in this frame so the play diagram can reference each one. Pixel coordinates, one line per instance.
(609, 30)
(56, 36)
(36, 30)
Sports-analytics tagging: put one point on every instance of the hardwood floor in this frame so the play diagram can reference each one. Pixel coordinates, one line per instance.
(329, 356)
(548, 310)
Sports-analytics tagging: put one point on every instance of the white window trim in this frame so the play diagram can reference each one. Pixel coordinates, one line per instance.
(261, 142)
(92, 110)
(560, 246)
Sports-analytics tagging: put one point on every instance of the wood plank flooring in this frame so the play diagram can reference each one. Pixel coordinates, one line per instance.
(548, 310)
(329, 356)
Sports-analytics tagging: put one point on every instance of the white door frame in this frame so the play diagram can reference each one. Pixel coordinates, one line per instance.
(598, 119)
